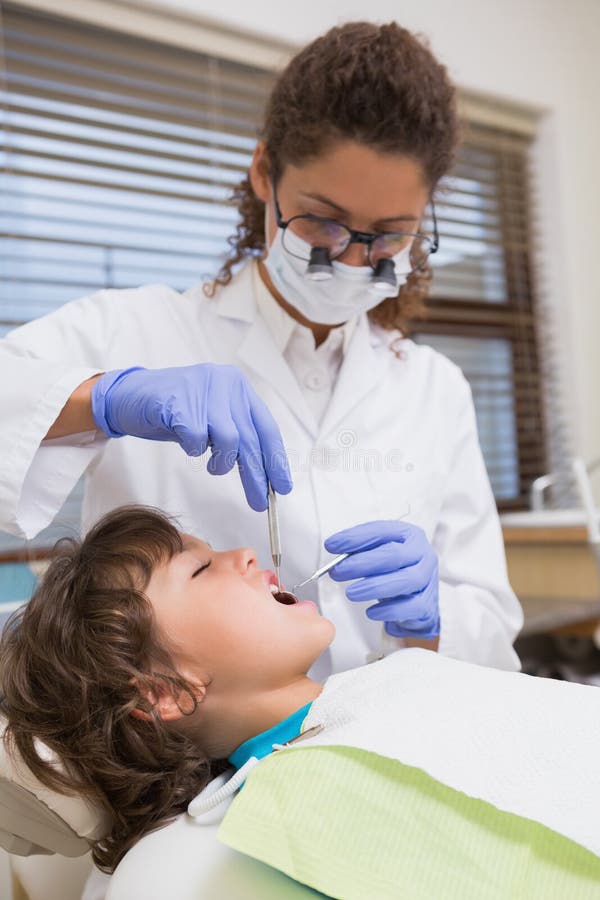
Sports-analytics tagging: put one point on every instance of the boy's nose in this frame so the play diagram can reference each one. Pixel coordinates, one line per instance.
(242, 558)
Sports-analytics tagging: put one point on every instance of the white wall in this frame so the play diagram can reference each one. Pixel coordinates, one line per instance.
(544, 54)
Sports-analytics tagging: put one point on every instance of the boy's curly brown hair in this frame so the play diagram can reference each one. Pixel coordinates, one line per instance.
(376, 84)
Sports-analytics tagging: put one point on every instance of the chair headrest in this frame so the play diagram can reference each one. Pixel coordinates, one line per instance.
(35, 819)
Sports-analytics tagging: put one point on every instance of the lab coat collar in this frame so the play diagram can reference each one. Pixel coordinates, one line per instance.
(366, 359)
(236, 300)
(282, 325)
(364, 367)
(258, 350)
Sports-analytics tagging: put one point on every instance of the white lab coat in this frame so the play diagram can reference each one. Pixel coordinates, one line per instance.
(398, 437)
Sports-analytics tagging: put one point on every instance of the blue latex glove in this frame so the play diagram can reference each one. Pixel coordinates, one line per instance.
(396, 565)
(199, 407)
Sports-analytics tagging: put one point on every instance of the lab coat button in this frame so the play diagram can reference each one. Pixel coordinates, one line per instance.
(315, 380)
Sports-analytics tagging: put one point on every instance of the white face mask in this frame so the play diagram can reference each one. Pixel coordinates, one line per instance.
(350, 291)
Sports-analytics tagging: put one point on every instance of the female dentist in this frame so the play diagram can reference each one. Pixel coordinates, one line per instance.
(299, 343)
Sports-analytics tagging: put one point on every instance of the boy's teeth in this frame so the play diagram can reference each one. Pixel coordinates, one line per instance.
(273, 588)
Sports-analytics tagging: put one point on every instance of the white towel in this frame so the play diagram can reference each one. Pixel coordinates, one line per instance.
(529, 746)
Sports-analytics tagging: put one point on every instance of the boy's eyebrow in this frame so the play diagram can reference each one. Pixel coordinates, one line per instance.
(189, 541)
(321, 199)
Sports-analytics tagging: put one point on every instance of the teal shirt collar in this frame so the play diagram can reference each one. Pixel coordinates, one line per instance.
(262, 744)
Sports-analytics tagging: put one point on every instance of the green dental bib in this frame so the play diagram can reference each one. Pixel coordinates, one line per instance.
(359, 826)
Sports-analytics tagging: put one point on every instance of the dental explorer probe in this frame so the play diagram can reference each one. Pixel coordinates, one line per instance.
(274, 538)
(322, 571)
(332, 562)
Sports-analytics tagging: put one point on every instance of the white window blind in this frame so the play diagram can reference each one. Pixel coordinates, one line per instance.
(482, 311)
(118, 155)
(117, 159)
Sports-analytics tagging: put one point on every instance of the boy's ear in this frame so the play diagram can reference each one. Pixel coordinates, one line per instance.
(168, 698)
(259, 173)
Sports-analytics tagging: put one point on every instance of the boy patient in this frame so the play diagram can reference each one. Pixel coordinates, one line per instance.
(149, 663)
(144, 659)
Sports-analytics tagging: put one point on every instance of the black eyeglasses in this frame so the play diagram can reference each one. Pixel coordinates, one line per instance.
(334, 238)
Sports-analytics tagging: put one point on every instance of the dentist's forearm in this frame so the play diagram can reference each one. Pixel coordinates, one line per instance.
(76, 414)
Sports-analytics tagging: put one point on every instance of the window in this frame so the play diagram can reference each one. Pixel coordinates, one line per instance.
(481, 305)
(119, 153)
(117, 156)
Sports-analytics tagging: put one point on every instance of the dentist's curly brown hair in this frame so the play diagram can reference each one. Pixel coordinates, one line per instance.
(79, 658)
(379, 85)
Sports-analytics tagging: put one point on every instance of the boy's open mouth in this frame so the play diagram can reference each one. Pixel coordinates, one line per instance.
(284, 597)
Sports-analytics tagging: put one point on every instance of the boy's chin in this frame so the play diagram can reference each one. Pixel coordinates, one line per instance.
(328, 636)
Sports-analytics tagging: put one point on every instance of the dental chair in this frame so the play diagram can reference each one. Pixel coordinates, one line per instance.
(48, 836)
(185, 861)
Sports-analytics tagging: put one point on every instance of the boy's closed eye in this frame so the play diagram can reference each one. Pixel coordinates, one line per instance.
(201, 568)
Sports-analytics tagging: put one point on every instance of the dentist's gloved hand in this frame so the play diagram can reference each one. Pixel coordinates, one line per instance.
(199, 407)
(397, 566)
